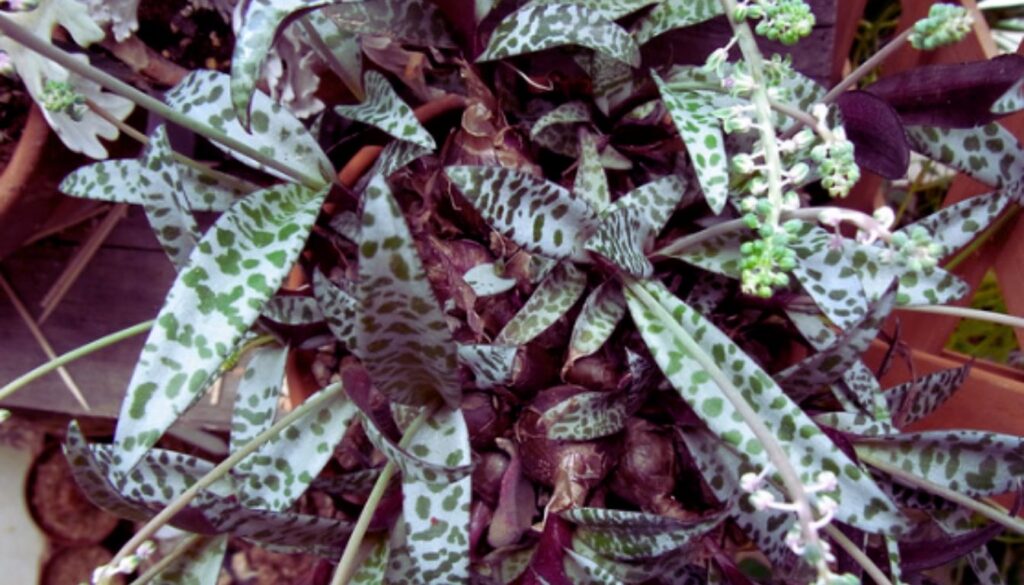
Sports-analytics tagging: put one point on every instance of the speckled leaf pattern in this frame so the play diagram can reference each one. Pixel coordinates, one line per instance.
(257, 394)
(693, 114)
(955, 226)
(206, 96)
(829, 364)
(585, 567)
(538, 27)
(340, 48)
(587, 416)
(1011, 101)
(709, 290)
(435, 511)
(293, 310)
(990, 154)
(492, 365)
(254, 35)
(620, 240)
(538, 215)
(552, 299)
(486, 280)
(861, 502)
(918, 398)
(932, 286)
(609, 9)
(673, 14)
(657, 200)
(154, 182)
(413, 22)
(340, 308)
(272, 478)
(384, 109)
(403, 338)
(91, 478)
(827, 273)
(627, 535)
(411, 461)
(974, 463)
(591, 183)
(612, 81)
(396, 155)
(235, 269)
(856, 424)
(355, 481)
(372, 570)
(200, 565)
(718, 254)
(558, 130)
(598, 318)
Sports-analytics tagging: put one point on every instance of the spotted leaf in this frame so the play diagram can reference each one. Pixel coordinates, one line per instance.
(537, 27)
(155, 182)
(206, 96)
(583, 565)
(673, 14)
(384, 109)
(826, 272)
(552, 299)
(396, 155)
(609, 9)
(692, 112)
(260, 22)
(990, 154)
(558, 130)
(973, 463)
(928, 286)
(338, 47)
(293, 310)
(412, 462)
(91, 477)
(411, 22)
(719, 254)
(372, 570)
(1011, 101)
(591, 183)
(626, 535)
(403, 338)
(257, 394)
(620, 240)
(856, 424)
(918, 398)
(536, 214)
(234, 270)
(355, 481)
(612, 81)
(682, 343)
(492, 365)
(486, 280)
(199, 565)
(586, 416)
(601, 313)
(656, 200)
(340, 308)
(955, 226)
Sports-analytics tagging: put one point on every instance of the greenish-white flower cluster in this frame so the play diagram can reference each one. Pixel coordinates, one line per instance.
(61, 96)
(105, 573)
(945, 24)
(786, 21)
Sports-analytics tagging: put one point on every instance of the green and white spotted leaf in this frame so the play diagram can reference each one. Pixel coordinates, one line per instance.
(609, 9)
(435, 511)
(674, 332)
(384, 109)
(673, 14)
(955, 226)
(598, 318)
(620, 240)
(657, 200)
(340, 308)
(558, 130)
(1011, 101)
(552, 299)
(692, 112)
(396, 155)
(373, 569)
(718, 254)
(974, 463)
(337, 47)
(492, 365)
(260, 22)
(91, 477)
(830, 364)
(918, 398)
(411, 22)
(272, 478)
(257, 394)
(587, 415)
(991, 154)
(612, 81)
(584, 566)
(293, 310)
(591, 183)
(403, 339)
(625, 535)
(199, 565)
(855, 423)
(237, 266)
(206, 96)
(827, 273)
(154, 182)
(412, 463)
(538, 27)
(930, 286)
(486, 280)
(539, 215)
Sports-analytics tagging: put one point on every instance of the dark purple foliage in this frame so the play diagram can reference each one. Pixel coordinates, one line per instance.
(874, 127)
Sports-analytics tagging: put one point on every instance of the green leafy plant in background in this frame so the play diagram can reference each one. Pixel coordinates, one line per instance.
(646, 260)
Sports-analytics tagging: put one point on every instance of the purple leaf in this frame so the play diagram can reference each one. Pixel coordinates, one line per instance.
(950, 96)
(874, 127)
(547, 565)
(516, 502)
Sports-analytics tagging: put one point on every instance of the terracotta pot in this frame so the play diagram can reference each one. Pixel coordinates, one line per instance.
(14, 180)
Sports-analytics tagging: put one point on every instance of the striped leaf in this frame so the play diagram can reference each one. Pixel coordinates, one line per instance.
(384, 109)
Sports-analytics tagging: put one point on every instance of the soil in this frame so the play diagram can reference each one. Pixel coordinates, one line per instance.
(14, 105)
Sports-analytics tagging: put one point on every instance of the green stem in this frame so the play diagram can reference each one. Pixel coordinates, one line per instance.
(64, 59)
(776, 453)
(149, 529)
(991, 231)
(347, 565)
(867, 66)
(857, 555)
(905, 477)
(25, 379)
(183, 548)
(968, 313)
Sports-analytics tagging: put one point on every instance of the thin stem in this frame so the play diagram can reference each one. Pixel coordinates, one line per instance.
(857, 555)
(997, 516)
(968, 313)
(73, 355)
(347, 565)
(141, 138)
(867, 66)
(64, 59)
(776, 453)
(222, 468)
(183, 548)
